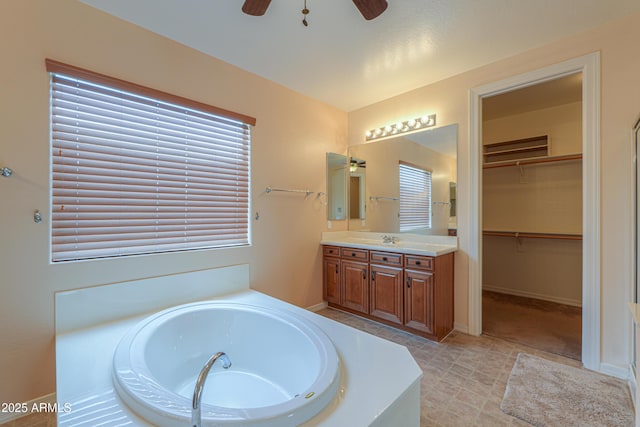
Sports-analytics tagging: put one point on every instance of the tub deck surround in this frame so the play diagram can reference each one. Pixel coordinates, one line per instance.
(379, 382)
(282, 369)
(413, 244)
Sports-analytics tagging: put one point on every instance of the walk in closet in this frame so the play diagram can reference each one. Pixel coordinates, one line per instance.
(532, 216)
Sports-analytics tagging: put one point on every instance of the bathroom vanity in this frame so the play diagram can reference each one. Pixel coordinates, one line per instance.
(407, 284)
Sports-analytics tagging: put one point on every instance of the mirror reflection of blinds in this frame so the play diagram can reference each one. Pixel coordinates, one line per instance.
(415, 197)
(134, 175)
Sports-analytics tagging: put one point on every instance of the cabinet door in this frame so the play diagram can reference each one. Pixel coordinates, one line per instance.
(355, 286)
(331, 280)
(386, 293)
(418, 300)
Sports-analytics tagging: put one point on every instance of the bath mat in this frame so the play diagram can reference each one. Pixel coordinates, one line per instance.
(546, 393)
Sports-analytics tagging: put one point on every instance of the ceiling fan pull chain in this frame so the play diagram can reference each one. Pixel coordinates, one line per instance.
(305, 12)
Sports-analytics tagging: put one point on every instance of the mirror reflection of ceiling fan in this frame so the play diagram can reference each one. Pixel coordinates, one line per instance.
(368, 8)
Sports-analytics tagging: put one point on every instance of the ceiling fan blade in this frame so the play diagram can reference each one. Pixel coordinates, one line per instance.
(255, 7)
(371, 8)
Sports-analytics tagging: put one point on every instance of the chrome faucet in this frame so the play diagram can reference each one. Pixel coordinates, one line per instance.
(388, 239)
(196, 406)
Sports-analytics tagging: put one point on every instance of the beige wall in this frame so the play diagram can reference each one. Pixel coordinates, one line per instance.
(284, 258)
(562, 124)
(620, 107)
(539, 198)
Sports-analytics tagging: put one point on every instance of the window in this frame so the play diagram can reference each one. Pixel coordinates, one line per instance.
(415, 197)
(138, 171)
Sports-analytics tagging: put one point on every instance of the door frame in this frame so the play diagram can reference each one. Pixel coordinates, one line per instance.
(589, 66)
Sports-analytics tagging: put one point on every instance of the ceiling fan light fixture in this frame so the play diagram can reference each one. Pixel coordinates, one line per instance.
(255, 7)
(305, 12)
(371, 9)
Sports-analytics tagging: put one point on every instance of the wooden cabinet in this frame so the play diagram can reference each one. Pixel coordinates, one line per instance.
(418, 300)
(386, 293)
(411, 292)
(355, 285)
(331, 283)
(331, 279)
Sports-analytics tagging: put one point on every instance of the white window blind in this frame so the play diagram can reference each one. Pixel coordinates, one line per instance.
(415, 197)
(132, 174)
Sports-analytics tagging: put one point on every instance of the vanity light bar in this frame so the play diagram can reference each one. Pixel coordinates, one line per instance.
(401, 127)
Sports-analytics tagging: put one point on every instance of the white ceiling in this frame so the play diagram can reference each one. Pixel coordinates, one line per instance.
(348, 62)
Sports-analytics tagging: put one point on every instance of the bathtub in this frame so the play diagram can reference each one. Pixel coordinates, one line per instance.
(284, 369)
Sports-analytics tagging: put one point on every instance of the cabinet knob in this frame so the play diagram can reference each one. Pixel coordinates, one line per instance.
(408, 282)
(353, 254)
(384, 258)
(417, 262)
(364, 274)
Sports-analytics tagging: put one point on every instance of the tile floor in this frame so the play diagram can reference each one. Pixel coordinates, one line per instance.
(463, 383)
(464, 376)
(33, 420)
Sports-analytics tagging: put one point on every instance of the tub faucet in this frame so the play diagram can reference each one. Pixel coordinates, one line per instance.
(196, 406)
(388, 239)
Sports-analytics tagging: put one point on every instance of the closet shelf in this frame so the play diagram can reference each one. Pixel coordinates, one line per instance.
(516, 150)
(531, 161)
(525, 234)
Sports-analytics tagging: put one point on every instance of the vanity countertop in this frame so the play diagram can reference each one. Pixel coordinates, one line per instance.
(413, 244)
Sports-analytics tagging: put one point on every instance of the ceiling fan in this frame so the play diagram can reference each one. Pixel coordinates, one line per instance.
(368, 8)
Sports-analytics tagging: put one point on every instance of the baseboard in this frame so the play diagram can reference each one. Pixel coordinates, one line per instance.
(633, 389)
(518, 293)
(614, 371)
(47, 399)
(461, 327)
(318, 307)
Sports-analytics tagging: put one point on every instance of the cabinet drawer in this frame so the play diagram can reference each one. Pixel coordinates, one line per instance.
(386, 258)
(359, 254)
(418, 262)
(331, 251)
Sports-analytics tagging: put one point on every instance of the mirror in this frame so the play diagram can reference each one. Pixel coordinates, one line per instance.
(357, 188)
(452, 199)
(636, 242)
(336, 187)
(434, 150)
(636, 207)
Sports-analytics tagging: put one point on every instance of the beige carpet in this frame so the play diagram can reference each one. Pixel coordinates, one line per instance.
(546, 393)
(555, 328)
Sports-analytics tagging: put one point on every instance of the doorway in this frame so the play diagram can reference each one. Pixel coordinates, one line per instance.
(532, 216)
(589, 66)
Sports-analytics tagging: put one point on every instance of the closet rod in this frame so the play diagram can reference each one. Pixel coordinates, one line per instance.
(532, 161)
(559, 236)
